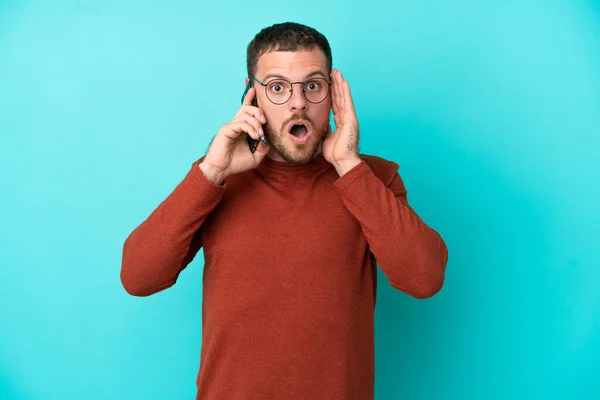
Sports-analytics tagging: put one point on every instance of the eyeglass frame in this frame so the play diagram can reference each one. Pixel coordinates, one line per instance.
(265, 85)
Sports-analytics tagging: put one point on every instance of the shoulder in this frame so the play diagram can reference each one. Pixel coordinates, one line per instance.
(384, 169)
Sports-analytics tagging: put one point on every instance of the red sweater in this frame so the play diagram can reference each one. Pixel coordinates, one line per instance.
(289, 279)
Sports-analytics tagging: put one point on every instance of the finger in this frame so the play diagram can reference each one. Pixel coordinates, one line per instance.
(349, 103)
(338, 90)
(249, 96)
(255, 111)
(334, 100)
(251, 119)
(262, 148)
(250, 130)
(243, 126)
(338, 99)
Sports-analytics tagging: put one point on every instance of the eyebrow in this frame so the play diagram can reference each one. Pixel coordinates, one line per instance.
(310, 75)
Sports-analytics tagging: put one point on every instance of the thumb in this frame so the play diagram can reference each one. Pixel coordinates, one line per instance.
(261, 151)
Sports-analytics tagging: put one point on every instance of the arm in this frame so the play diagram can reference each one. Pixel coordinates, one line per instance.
(167, 241)
(411, 255)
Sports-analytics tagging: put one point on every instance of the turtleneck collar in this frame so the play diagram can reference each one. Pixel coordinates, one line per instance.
(268, 166)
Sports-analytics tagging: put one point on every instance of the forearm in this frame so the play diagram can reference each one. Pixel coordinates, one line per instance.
(411, 254)
(158, 249)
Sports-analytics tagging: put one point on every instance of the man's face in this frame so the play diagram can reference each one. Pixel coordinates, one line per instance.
(295, 66)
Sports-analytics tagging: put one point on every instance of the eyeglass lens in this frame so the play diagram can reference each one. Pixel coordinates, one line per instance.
(279, 90)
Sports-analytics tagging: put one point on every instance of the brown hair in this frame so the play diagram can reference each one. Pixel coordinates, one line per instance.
(287, 36)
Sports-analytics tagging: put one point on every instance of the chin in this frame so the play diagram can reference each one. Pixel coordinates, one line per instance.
(294, 153)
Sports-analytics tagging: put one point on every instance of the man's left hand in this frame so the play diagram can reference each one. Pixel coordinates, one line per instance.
(340, 147)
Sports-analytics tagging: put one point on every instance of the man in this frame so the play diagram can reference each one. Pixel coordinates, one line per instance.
(292, 235)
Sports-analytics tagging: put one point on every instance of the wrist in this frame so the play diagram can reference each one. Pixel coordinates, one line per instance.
(213, 175)
(343, 167)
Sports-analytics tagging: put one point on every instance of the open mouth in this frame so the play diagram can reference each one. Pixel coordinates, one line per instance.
(299, 130)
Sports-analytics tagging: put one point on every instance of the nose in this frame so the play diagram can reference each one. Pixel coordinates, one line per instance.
(297, 100)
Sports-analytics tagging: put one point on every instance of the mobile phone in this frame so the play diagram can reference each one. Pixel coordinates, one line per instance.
(252, 143)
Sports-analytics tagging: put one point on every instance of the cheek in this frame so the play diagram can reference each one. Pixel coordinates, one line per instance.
(272, 117)
(323, 115)
(275, 122)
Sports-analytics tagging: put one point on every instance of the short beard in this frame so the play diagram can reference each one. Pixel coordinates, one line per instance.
(275, 140)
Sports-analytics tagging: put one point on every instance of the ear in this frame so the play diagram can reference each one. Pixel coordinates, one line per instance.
(246, 81)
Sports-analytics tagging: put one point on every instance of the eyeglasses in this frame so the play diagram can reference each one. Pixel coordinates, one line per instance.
(279, 90)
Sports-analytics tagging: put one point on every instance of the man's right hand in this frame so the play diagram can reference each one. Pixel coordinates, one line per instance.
(229, 152)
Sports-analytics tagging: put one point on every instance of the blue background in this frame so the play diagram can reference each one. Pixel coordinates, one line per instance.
(492, 110)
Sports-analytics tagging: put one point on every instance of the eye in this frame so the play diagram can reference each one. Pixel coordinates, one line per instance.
(277, 87)
(313, 85)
